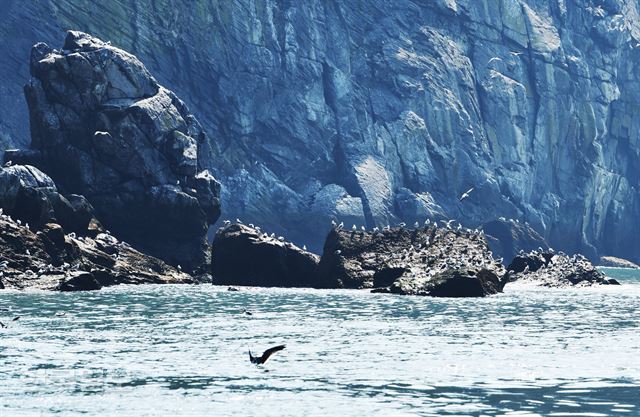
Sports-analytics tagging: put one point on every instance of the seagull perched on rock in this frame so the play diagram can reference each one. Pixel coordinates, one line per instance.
(259, 360)
(226, 222)
(341, 225)
(238, 221)
(354, 228)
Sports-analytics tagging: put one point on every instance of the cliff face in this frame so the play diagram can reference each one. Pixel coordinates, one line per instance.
(372, 112)
(102, 127)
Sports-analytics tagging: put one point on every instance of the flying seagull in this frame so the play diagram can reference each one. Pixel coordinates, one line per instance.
(466, 194)
(259, 360)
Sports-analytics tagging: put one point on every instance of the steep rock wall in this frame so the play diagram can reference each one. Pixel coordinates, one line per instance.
(374, 111)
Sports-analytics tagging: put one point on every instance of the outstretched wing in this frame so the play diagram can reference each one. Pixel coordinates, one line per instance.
(267, 353)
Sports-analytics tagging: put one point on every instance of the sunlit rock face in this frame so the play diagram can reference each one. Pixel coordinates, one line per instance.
(103, 127)
(375, 112)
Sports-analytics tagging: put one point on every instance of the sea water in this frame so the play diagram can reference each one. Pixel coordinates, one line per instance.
(180, 350)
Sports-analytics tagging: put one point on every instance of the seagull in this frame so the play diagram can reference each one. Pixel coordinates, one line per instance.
(363, 228)
(2, 325)
(514, 53)
(8, 164)
(333, 223)
(338, 252)
(304, 247)
(466, 193)
(281, 239)
(259, 360)
(403, 224)
(416, 225)
(238, 221)
(341, 225)
(495, 58)
(226, 222)
(354, 228)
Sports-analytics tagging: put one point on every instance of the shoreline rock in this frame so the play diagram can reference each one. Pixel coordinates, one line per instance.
(614, 262)
(555, 270)
(244, 255)
(431, 261)
(103, 127)
(507, 237)
(52, 260)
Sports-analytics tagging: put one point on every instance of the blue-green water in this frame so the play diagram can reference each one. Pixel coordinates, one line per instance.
(182, 351)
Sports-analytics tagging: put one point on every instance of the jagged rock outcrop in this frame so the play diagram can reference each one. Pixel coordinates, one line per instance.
(550, 269)
(422, 261)
(103, 127)
(246, 255)
(371, 111)
(29, 195)
(509, 237)
(51, 260)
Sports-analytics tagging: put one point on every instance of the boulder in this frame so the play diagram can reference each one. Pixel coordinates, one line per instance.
(52, 260)
(508, 237)
(431, 261)
(615, 262)
(244, 255)
(31, 196)
(104, 128)
(79, 281)
(550, 269)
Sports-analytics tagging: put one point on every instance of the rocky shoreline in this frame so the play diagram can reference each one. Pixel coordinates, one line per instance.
(113, 149)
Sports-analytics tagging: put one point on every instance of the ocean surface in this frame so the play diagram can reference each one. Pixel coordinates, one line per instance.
(182, 351)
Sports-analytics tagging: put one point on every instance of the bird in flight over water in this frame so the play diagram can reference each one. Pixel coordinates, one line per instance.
(259, 360)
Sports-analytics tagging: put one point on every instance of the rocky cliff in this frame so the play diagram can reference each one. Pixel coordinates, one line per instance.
(372, 112)
(103, 127)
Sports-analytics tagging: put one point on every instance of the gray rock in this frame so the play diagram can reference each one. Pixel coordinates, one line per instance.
(612, 261)
(550, 269)
(29, 195)
(104, 128)
(421, 261)
(52, 260)
(243, 255)
(507, 238)
(79, 281)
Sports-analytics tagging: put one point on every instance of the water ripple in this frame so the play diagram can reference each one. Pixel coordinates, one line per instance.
(182, 350)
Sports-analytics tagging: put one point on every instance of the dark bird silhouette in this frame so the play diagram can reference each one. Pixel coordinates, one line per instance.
(247, 312)
(2, 325)
(259, 360)
(16, 318)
